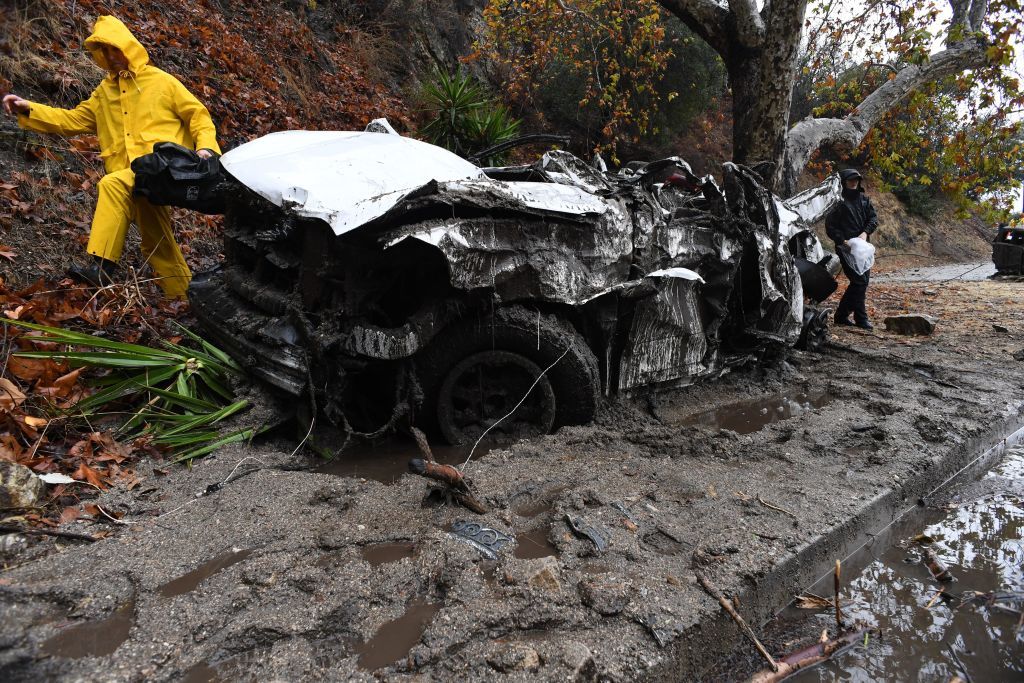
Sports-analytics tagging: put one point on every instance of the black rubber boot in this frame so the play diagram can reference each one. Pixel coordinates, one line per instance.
(99, 273)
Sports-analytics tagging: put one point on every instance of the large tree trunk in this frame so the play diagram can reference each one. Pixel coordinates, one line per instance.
(762, 78)
(760, 50)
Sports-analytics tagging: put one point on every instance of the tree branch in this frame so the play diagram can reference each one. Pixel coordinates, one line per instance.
(810, 134)
(706, 18)
(749, 24)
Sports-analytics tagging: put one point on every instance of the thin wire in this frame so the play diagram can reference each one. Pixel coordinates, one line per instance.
(543, 372)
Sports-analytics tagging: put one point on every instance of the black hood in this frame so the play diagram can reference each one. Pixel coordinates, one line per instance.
(849, 174)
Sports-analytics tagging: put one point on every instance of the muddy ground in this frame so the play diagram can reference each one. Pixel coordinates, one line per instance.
(299, 588)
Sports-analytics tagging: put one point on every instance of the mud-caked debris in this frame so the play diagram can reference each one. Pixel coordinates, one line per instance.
(911, 324)
(336, 495)
(605, 595)
(19, 488)
(514, 657)
(543, 573)
(1018, 355)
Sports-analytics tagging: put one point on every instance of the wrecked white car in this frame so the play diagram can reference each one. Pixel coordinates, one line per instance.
(388, 281)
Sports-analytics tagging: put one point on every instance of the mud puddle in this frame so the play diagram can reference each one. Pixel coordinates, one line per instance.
(387, 460)
(746, 417)
(187, 583)
(979, 537)
(534, 544)
(393, 640)
(96, 638)
(385, 553)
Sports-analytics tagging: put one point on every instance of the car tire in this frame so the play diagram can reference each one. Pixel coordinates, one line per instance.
(510, 349)
(814, 335)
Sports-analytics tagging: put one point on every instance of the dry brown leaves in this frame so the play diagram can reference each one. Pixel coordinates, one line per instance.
(36, 393)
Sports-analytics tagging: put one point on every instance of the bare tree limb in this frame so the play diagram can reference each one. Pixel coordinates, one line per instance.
(749, 24)
(810, 134)
(706, 18)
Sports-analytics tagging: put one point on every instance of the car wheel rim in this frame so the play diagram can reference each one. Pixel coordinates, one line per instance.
(484, 388)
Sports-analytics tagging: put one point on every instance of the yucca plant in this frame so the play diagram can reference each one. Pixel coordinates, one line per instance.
(177, 394)
(466, 118)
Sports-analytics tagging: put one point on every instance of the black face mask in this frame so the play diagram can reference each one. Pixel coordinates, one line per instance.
(851, 194)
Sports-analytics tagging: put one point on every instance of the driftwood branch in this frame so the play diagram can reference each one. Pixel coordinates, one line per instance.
(747, 631)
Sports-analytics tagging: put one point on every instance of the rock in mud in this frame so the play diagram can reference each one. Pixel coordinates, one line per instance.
(1019, 355)
(19, 488)
(605, 596)
(514, 657)
(911, 324)
(542, 573)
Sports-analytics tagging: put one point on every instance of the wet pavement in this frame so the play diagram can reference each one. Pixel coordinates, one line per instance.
(974, 271)
(977, 532)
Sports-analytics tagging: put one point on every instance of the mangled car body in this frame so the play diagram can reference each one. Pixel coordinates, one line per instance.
(386, 279)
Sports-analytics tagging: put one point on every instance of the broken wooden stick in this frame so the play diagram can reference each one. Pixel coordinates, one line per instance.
(422, 444)
(15, 529)
(768, 505)
(451, 477)
(747, 631)
(808, 657)
(839, 614)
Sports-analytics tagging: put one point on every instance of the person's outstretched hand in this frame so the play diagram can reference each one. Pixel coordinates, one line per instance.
(14, 105)
(204, 153)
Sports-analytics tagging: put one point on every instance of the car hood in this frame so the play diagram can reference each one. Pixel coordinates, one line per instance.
(349, 179)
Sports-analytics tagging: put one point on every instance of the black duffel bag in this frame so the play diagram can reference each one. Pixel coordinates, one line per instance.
(173, 175)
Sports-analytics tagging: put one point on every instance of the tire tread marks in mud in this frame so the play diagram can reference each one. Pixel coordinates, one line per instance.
(542, 338)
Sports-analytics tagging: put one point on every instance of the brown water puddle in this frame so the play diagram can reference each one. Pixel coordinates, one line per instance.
(189, 582)
(383, 553)
(388, 460)
(393, 640)
(533, 544)
(978, 538)
(95, 638)
(746, 417)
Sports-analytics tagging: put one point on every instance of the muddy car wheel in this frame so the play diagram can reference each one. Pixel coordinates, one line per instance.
(524, 344)
(490, 386)
(814, 334)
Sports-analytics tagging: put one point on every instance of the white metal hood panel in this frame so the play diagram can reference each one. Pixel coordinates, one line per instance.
(346, 178)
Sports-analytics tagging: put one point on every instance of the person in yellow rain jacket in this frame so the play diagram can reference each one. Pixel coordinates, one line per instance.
(136, 106)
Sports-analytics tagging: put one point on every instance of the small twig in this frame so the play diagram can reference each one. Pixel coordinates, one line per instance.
(747, 631)
(15, 529)
(774, 507)
(839, 613)
(113, 519)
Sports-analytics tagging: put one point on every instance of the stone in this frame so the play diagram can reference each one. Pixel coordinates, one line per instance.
(1018, 355)
(19, 487)
(604, 596)
(576, 660)
(514, 657)
(911, 324)
(542, 573)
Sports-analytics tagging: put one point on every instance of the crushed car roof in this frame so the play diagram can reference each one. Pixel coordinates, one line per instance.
(349, 179)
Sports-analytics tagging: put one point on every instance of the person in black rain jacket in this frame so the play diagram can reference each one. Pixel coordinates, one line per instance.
(853, 217)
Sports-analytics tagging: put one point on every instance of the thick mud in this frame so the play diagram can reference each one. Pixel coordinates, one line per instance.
(613, 522)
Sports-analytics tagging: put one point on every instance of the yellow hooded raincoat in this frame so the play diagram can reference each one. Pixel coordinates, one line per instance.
(129, 112)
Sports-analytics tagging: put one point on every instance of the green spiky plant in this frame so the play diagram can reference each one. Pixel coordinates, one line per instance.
(178, 395)
(466, 118)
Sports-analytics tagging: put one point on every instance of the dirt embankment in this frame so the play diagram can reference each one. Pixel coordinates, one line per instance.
(280, 572)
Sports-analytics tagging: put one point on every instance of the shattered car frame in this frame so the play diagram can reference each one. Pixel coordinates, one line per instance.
(385, 280)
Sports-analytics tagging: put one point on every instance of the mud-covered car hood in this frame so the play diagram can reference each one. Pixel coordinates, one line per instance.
(349, 179)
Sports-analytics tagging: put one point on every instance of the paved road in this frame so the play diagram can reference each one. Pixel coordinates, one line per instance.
(951, 271)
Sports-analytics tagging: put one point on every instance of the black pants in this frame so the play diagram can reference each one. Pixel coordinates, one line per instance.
(856, 293)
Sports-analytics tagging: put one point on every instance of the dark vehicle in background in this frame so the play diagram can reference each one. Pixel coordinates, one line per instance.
(1008, 250)
(383, 281)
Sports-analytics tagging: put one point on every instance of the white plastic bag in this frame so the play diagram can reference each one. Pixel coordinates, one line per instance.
(861, 255)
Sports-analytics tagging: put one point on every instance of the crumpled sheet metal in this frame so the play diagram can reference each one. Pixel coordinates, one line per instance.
(667, 339)
(555, 261)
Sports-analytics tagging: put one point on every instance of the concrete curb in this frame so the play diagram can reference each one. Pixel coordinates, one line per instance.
(853, 542)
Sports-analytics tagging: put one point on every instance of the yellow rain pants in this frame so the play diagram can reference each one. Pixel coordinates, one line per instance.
(115, 210)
